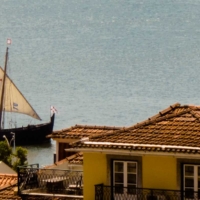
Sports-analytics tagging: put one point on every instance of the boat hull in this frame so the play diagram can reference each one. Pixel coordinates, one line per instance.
(29, 135)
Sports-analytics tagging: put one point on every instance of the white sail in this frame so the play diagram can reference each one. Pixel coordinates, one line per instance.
(14, 101)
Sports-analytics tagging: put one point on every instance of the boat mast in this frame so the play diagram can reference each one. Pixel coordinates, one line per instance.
(3, 87)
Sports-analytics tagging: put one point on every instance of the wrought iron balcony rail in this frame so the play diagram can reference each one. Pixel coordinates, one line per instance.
(103, 192)
(32, 179)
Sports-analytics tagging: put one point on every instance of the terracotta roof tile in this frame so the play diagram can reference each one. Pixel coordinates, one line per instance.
(9, 193)
(76, 158)
(80, 131)
(8, 184)
(7, 180)
(52, 197)
(177, 128)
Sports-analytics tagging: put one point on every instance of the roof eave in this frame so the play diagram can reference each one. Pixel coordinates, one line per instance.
(131, 152)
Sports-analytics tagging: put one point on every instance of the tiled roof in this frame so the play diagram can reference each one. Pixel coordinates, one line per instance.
(7, 180)
(8, 184)
(76, 158)
(9, 193)
(175, 129)
(52, 197)
(80, 131)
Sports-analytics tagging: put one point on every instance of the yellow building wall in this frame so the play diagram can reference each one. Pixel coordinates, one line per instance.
(95, 172)
(159, 172)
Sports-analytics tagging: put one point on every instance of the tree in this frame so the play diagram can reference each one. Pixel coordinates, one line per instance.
(21, 157)
(15, 159)
(5, 153)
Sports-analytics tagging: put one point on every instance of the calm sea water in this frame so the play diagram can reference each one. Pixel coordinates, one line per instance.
(107, 62)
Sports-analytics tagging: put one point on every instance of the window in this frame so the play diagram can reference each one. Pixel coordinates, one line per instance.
(124, 176)
(191, 180)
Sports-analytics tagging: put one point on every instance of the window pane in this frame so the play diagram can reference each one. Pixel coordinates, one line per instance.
(189, 170)
(119, 177)
(198, 183)
(189, 182)
(119, 166)
(132, 167)
(132, 178)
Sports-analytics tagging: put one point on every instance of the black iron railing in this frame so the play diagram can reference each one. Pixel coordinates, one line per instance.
(103, 192)
(32, 179)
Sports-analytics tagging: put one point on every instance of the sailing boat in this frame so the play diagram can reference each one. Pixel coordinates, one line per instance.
(12, 100)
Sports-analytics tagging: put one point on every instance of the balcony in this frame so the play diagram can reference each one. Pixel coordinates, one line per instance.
(35, 181)
(103, 192)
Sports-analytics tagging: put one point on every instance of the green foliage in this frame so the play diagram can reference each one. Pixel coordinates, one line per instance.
(13, 160)
(20, 157)
(5, 153)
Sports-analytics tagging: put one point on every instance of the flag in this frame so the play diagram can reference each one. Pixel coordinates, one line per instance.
(15, 106)
(9, 41)
(53, 109)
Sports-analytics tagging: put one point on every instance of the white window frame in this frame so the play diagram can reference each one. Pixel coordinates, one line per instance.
(125, 178)
(194, 177)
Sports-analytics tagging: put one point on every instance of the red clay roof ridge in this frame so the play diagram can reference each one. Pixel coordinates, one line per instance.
(88, 127)
(107, 134)
(196, 115)
(171, 107)
(154, 119)
(74, 156)
(10, 175)
(97, 127)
